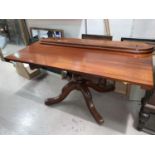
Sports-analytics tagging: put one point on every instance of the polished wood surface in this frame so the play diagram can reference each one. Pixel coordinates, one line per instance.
(99, 37)
(127, 67)
(115, 46)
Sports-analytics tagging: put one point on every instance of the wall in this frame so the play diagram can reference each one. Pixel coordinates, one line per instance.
(75, 27)
(120, 28)
(95, 26)
(72, 27)
(141, 28)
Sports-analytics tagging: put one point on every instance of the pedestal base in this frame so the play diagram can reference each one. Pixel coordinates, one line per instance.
(81, 84)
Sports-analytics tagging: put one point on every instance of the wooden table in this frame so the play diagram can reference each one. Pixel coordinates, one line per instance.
(122, 61)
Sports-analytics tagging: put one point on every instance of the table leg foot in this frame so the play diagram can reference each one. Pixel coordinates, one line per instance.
(88, 98)
(65, 92)
(143, 118)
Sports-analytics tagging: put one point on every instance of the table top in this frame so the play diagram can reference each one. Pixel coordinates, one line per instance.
(127, 67)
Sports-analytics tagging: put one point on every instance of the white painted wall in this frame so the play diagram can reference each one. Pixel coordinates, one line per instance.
(95, 26)
(140, 28)
(73, 28)
(120, 28)
(143, 28)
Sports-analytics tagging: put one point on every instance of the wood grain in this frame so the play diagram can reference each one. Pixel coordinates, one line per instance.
(131, 68)
(124, 47)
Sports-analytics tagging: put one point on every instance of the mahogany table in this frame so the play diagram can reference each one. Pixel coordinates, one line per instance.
(83, 60)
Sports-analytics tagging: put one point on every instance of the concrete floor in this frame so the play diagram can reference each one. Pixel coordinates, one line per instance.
(22, 109)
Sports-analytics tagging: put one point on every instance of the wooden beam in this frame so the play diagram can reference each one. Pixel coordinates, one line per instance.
(1, 55)
(107, 27)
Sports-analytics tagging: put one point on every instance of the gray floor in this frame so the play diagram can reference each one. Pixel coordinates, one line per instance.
(22, 109)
